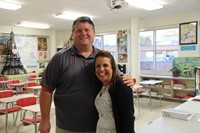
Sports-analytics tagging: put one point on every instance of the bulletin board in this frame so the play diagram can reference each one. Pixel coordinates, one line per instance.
(29, 48)
(186, 65)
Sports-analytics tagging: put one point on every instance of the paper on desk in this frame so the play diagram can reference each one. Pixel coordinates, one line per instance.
(177, 114)
(196, 98)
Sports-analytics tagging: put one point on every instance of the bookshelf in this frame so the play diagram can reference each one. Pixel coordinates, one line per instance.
(176, 88)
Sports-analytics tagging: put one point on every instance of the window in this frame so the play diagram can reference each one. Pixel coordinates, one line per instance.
(158, 48)
(106, 42)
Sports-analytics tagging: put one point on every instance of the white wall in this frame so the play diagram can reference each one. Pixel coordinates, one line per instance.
(150, 23)
(28, 31)
(175, 20)
(171, 21)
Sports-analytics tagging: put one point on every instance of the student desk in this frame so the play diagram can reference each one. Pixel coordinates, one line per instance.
(18, 86)
(190, 106)
(11, 100)
(37, 79)
(171, 125)
(22, 77)
(3, 84)
(35, 109)
(150, 84)
(35, 88)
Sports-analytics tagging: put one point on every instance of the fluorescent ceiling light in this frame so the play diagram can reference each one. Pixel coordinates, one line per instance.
(33, 25)
(145, 4)
(69, 15)
(9, 5)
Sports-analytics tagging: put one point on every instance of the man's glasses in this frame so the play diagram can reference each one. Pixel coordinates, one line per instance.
(83, 19)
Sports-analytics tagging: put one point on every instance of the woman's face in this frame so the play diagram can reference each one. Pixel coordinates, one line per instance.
(103, 69)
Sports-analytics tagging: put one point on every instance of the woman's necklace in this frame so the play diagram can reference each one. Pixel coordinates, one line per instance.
(104, 88)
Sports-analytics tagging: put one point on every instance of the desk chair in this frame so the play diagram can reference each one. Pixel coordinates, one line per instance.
(3, 79)
(30, 78)
(23, 102)
(137, 90)
(9, 85)
(3, 85)
(11, 108)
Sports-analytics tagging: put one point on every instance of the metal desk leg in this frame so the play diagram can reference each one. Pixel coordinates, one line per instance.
(35, 121)
(138, 102)
(6, 117)
(160, 95)
(150, 98)
(17, 90)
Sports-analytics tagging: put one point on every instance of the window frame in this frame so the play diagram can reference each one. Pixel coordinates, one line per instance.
(154, 50)
(114, 53)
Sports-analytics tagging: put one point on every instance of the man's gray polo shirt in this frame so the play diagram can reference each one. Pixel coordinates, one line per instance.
(73, 77)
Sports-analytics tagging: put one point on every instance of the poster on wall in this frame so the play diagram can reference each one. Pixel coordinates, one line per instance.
(186, 65)
(122, 46)
(188, 33)
(3, 58)
(41, 65)
(42, 56)
(3, 42)
(42, 43)
(27, 47)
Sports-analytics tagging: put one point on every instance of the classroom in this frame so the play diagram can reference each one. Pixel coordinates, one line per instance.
(158, 47)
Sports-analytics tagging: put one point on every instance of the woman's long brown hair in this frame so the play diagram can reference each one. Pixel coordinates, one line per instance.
(116, 75)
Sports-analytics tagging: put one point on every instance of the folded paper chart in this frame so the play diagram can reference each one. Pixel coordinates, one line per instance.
(177, 114)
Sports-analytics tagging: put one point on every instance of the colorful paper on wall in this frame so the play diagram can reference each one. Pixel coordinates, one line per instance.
(186, 65)
(122, 46)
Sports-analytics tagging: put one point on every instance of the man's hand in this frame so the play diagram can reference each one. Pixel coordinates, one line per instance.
(44, 127)
(128, 81)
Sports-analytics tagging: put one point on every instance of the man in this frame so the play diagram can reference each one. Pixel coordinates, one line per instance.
(71, 74)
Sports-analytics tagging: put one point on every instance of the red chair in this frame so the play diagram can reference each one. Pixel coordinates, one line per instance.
(23, 102)
(6, 93)
(137, 90)
(30, 77)
(28, 84)
(3, 79)
(11, 108)
(12, 82)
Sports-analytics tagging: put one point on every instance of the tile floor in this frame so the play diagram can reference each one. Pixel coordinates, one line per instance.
(146, 115)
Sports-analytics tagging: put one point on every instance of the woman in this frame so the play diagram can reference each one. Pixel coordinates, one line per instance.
(115, 100)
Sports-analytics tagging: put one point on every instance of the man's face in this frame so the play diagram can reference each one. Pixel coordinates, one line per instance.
(83, 34)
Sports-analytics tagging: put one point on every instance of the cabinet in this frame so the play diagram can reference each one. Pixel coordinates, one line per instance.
(179, 88)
